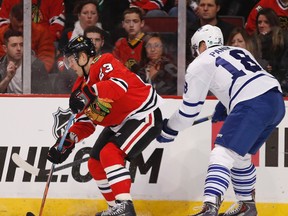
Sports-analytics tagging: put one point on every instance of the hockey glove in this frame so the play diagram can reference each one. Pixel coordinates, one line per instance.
(220, 113)
(167, 134)
(81, 99)
(55, 156)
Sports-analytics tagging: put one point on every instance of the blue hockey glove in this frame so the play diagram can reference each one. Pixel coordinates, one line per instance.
(167, 134)
(56, 156)
(220, 113)
(81, 99)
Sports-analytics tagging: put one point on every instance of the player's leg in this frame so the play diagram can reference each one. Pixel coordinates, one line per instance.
(243, 178)
(261, 116)
(125, 143)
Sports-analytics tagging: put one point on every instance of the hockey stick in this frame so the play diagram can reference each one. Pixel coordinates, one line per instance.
(198, 121)
(36, 171)
(59, 148)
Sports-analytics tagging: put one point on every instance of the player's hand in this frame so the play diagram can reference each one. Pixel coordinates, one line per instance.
(57, 156)
(167, 134)
(81, 99)
(220, 113)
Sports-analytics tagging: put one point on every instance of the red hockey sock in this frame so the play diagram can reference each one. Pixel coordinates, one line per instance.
(97, 172)
(112, 160)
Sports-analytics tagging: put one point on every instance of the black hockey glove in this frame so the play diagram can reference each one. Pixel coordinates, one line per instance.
(167, 134)
(55, 156)
(81, 99)
(220, 113)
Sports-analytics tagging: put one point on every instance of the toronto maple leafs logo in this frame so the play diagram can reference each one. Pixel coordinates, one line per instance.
(61, 118)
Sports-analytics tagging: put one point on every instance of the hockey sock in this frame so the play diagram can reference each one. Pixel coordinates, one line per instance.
(97, 172)
(112, 160)
(244, 180)
(216, 183)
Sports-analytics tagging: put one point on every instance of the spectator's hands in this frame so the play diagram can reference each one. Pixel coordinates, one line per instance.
(220, 113)
(167, 134)
(11, 69)
(55, 156)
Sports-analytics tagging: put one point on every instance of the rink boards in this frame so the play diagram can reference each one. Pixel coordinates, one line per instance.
(167, 178)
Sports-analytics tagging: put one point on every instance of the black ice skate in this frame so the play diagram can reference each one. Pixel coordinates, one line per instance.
(100, 213)
(241, 208)
(122, 208)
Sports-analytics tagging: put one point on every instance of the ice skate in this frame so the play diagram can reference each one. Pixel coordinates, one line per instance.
(241, 208)
(100, 213)
(122, 208)
(208, 209)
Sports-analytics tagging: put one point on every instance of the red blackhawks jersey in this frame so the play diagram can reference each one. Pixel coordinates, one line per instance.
(49, 13)
(148, 4)
(120, 90)
(129, 52)
(280, 9)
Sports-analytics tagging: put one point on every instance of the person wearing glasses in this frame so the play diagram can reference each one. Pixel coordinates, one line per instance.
(156, 67)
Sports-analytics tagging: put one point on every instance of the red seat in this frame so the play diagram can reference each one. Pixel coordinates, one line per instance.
(161, 24)
(238, 21)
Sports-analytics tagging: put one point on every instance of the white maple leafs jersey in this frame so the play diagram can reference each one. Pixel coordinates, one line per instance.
(232, 74)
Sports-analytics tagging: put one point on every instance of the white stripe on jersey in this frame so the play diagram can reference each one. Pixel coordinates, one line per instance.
(138, 133)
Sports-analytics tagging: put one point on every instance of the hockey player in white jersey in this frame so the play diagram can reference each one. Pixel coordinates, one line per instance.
(250, 102)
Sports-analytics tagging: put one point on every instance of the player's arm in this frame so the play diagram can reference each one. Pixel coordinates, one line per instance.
(195, 92)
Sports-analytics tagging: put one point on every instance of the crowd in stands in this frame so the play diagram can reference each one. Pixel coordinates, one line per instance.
(119, 28)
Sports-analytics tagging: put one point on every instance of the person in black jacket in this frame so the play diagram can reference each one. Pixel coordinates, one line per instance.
(207, 11)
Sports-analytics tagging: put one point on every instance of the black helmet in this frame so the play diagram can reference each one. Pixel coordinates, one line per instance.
(79, 44)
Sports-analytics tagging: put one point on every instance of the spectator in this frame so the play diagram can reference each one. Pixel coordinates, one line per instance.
(191, 11)
(240, 38)
(128, 49)
(41, 41)
(87, 13)
(48, 13)
(274, 45)
(207, 10)
(279, 6)
(150, 8)
(157, 69)
(11, 70)
(66, 80)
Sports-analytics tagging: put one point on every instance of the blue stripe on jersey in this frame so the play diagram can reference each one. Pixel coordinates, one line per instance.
(190, 105)
(193, 104)
(239, 90)
(187, 115)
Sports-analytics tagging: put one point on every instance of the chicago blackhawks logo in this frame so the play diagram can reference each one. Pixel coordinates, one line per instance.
(61, 118)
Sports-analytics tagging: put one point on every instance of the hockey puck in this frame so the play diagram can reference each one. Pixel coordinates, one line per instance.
(30, 214)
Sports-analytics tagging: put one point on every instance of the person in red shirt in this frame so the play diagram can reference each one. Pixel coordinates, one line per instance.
(150, 7)
(41, 40)
(279, 6)
(128, 49)
(106, 93)
(48, 13)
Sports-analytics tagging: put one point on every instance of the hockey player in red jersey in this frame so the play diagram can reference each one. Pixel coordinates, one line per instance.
(106, 93)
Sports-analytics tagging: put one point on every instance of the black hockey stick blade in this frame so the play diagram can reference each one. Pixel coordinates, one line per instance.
(30, 214)
(36, 171)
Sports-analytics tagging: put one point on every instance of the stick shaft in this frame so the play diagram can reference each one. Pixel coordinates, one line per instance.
(53, 165)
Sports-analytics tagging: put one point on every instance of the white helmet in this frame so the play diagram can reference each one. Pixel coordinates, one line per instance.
(211, 35)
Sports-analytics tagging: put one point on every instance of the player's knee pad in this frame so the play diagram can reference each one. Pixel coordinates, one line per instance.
(96, 170)
(111, 155)
(222, 156)
(228, 158)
